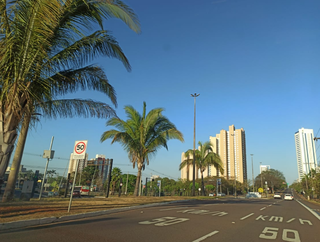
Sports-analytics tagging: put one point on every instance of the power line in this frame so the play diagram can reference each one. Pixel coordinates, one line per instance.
(161, 173)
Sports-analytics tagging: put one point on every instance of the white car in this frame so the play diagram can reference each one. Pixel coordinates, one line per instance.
(221, 194)
(288, 197)
(277, 195)
(211, 194)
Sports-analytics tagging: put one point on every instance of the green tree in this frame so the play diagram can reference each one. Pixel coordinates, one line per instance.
(274, 179)
(115, 179)
(141, 135)
(204, 157)
(39, 61)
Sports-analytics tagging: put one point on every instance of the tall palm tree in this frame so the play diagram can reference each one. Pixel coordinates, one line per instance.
(141, 135)
(62, 108)
(204, 157)
(47, 44)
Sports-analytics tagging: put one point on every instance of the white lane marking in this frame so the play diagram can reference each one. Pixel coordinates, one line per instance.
(243, 218)
(206, 236)
(270, 205)
(263, 208)
(314, 213)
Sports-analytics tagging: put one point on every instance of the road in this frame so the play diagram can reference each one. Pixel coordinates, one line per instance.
(224, 220)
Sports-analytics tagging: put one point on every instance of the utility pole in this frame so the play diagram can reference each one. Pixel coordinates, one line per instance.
(109, 177)
(260, 175)
(45, 170)
(127, 182)
(252, 172)
(194, 146)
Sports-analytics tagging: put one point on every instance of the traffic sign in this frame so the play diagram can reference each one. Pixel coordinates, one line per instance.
(79, 150)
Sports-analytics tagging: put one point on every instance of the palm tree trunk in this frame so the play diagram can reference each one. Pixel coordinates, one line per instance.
(137, 187)
(202, 184)
(8, 134)
(14, 171)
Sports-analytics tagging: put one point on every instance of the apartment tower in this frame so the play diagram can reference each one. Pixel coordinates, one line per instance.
(305, 151)
(231, 146)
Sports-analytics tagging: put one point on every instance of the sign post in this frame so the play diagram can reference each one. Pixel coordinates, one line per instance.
(79, 152)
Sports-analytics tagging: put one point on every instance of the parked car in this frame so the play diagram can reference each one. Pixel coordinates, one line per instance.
(76, 194)
(288, 197)
(220, 194)
(277, 196)
(211, 194)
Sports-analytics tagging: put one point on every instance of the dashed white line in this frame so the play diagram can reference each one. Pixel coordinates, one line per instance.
(263, 208)
(206, 236)
(243, 218)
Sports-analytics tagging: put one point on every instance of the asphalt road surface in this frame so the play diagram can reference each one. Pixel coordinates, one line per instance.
(224, 220)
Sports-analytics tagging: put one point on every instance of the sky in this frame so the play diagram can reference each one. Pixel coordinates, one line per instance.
(255, 64)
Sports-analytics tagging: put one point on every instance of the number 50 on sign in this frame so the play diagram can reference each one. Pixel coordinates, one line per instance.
(79, 150)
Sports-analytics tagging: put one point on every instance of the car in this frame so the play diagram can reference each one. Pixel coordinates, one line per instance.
(76, 194)
(211, 194)
(277, 196)
(221, 194)
(288, 197)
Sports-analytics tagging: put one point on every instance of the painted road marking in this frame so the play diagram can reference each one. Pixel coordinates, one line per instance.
(272, 233)
(263, 208)
(206, 236)
(280, 219)
(243, 218)
(314, 213)
(203, 212)
(165, 221)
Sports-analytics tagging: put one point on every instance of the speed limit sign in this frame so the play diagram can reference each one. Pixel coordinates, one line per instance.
(79, 150)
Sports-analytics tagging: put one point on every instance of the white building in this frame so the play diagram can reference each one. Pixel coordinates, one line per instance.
(305, 151)
(264, 168)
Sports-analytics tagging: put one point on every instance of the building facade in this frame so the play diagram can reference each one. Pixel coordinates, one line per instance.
(305, 151)
(230, 145)
(264, 168)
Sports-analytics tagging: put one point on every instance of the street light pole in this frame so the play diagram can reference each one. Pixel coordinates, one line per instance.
(252, 172)
(194, 146)
(260, 175)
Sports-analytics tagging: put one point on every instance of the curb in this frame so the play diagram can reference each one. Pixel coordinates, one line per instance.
(48, 220)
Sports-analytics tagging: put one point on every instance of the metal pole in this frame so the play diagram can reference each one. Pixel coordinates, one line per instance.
(127, 182)
(260, 175)
(194, 146)
(140, 185)
(74, 182)
(146, 186)
(109, 177)
(45, 170)
(252, 172)
(160, 188)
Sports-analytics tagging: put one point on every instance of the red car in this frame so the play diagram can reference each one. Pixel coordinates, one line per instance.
(76, 194)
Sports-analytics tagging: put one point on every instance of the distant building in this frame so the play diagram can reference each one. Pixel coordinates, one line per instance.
(231, 146)
(101, 164)
(305, 151)
(264, 168)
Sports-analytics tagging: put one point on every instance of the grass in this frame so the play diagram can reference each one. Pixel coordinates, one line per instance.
(57, 207)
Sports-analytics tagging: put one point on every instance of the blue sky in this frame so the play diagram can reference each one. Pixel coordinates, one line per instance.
(255, 64)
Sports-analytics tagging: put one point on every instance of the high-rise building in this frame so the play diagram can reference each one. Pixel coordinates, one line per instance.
(102, 165)
(231, 146)
(264, 168)
(305, 151)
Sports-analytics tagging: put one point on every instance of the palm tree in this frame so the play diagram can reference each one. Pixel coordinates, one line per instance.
(141, 135)
(45, 49)
(204, 157)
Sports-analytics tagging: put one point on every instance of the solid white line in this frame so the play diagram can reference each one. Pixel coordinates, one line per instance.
(246, 216)
(314, 213)
(263, 208)
(206, 236)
